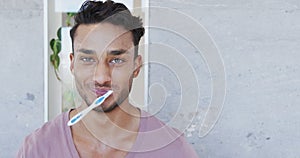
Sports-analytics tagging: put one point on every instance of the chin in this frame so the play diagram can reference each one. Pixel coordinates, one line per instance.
(106, 109)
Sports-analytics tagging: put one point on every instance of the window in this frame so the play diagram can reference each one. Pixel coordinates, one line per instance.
(59, 95)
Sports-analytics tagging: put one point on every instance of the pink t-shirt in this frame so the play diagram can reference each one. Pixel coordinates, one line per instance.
(155, 139)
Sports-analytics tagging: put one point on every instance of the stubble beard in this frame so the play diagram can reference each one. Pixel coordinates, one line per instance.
(122, 97)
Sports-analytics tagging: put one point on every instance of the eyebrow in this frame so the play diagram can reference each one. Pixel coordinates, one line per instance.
(86, 51)
(111, 52)
(117, 52)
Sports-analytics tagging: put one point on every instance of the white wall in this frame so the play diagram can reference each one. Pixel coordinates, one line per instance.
(21, 58)
(259, 43)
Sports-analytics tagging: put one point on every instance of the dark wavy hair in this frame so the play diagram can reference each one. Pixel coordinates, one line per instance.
(92, 12)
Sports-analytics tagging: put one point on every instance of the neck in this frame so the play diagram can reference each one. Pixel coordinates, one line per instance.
(117, 128)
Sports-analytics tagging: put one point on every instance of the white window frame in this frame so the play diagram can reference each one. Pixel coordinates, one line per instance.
(52, 87)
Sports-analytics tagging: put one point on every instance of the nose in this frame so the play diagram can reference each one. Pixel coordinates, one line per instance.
(102, 75)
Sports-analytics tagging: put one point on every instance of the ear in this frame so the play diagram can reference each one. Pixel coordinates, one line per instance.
(72, 59)
(137, 65)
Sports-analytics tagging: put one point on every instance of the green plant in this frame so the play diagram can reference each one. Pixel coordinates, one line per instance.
(55, 45)
(69, 17)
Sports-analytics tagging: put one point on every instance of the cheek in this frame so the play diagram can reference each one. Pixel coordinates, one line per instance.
(81, 73)
(121, 76)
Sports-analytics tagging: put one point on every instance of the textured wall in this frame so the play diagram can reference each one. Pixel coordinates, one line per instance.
(259, 43)
(21, 58)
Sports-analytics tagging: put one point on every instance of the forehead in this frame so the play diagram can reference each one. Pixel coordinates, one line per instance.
(102, 36)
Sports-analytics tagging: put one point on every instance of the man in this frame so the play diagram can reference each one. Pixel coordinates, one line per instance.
(105, 57)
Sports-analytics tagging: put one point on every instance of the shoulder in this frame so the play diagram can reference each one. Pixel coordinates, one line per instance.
(150, 123)
(54, 126)
(45, 137)
(157, 139)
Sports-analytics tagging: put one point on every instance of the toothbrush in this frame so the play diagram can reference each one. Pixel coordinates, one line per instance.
(81, 114)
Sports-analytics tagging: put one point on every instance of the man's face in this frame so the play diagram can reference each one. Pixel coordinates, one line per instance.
(104, 59)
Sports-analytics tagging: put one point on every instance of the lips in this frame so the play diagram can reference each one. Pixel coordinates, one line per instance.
(100, 92)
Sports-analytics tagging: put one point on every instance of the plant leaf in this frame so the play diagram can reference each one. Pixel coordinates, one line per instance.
(68, 19)
(70, 14)
(52, 44)
(59, 33)
(56, 47)
(56, 62)
(52, 58)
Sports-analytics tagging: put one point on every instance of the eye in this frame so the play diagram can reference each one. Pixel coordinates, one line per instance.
(87, 59)
(117, 61)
